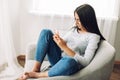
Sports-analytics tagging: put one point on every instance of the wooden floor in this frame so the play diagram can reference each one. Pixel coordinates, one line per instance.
(116, 72)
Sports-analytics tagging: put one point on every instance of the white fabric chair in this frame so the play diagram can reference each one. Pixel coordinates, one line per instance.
(100, 67)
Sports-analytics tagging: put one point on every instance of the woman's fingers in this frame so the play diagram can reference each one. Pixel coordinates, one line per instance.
(24, 76)
(56, 37)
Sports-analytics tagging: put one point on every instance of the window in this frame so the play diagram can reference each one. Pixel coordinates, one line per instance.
(103, 8)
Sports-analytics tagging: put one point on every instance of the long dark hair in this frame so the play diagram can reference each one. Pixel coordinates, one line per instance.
(88, 19)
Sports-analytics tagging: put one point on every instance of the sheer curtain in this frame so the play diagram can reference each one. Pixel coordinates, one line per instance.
(8, 62)
(107, 12)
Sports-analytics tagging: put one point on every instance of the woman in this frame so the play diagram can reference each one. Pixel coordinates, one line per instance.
(78, 46)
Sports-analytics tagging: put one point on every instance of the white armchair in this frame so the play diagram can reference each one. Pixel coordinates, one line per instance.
(100, 67)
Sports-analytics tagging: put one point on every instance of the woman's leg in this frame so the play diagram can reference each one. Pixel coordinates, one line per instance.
(64, 67)
(46, 45)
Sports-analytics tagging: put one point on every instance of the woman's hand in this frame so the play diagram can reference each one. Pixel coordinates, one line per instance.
(62, 44)
(24, 76)
(59, 41)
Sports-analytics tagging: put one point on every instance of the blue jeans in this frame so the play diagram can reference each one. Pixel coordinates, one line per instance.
(60, 65)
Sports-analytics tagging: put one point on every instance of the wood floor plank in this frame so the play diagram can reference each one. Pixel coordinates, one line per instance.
(116, 71)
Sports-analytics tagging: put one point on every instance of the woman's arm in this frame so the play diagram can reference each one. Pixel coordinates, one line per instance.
(89, 52)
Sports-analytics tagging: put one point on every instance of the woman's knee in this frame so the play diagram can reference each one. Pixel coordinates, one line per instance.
(46, 31)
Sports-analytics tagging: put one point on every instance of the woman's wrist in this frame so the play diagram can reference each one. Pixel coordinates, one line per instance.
(68, 51)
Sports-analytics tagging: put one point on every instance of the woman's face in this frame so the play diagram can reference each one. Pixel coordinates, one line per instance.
(77, 22)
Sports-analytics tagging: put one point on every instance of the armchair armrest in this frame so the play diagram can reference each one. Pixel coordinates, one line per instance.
(30, 51)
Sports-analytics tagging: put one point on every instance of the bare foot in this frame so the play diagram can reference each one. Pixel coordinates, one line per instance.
(38, 74)
(27, 75)
(33, 74)
(24, 76)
